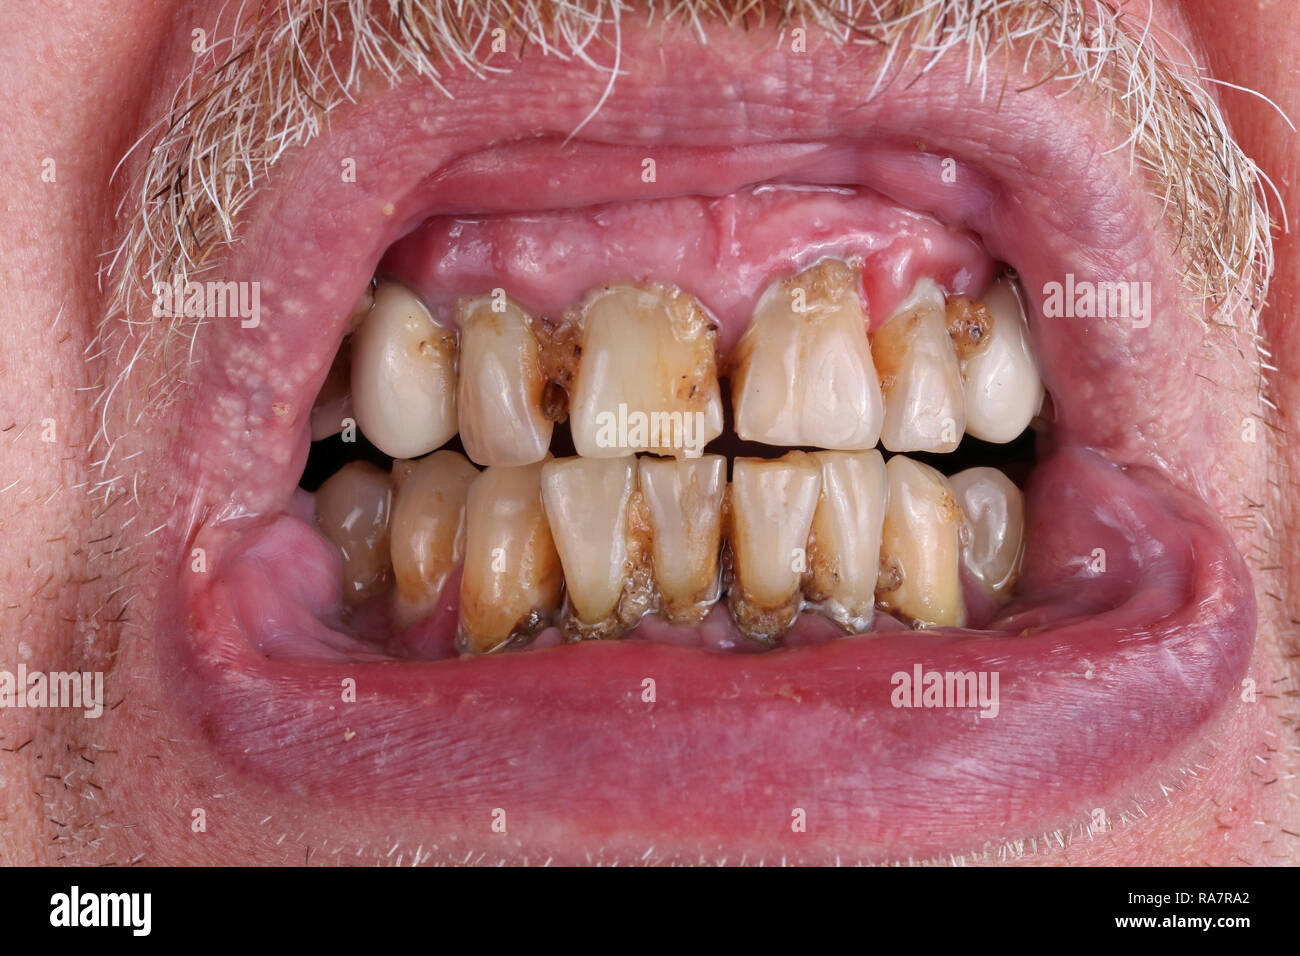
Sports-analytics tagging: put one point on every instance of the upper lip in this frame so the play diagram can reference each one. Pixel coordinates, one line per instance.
(1095, 706)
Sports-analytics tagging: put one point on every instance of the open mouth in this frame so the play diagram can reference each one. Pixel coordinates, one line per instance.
(733, 370)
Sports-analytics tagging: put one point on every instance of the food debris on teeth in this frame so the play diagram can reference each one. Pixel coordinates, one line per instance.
(844, 553)
(920, 577)
(772, 505)
(502, 387)
(804, 373)
(512, 581)
(427, 539)
(919, 375)
(647, 378)
(994, 515)
(588, 504)
(684, 499)
(1003, 388)
(403, 375)
(352, 510)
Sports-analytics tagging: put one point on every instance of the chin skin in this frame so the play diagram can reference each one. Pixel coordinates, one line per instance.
(126, 787)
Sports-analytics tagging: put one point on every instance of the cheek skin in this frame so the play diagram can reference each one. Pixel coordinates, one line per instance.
(131, 780)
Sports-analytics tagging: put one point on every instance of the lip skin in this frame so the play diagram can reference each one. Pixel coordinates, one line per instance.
(561, 738)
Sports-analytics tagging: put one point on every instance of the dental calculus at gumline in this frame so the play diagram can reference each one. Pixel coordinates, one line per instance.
(593, 543)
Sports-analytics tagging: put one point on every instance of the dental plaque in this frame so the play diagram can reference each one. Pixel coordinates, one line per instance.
(760, 449)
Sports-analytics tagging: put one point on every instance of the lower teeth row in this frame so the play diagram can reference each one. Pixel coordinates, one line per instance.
(595, 544)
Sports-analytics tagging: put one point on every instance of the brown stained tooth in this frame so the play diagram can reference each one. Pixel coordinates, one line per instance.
(1003, 388)
(352, 510)
(334, 401)
(501, 402)
(804, 373)
(512, 582)
(427, 530)
(844, 555)
(403, 375)
(919, 375)
(588, 505)
(920, 579)
(993, 540)
(772, 506)
(647, 379)
(684, 501)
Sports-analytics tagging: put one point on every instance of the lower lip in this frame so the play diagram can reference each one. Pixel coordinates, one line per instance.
(1103, 678)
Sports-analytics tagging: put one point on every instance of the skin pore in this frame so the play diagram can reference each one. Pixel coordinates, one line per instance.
(84, 533)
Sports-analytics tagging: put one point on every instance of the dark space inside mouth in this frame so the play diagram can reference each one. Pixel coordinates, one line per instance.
(1015, 459)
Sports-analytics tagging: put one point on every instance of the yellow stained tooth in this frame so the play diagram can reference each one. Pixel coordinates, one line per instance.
(403, 375)
(501, 388)
(845, 555)
(994, 511)
(804, 371)
(1003, 389)
(512, 582)
(772, 505)
(647, 379)
(427, 530)
(352, 510)
(587, 505)
(919, 375)
(920, 578)
(684, 500)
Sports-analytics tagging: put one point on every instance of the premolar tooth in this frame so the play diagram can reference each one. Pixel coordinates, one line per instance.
(1003, 388)
(920, 547)
(844, 559)
(994, 511)
(352, 510)
(804, 372)
(919, 375)
(772, 505)
(684, 500)
(501, 388)
(587, 504)
(427, 530)
(403, 375)
(512, 582)
(334, 401)
(648, 378)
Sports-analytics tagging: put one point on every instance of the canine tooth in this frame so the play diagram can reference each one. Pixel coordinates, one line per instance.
(919, 375)
(499, 399)
(994, 511)
(1003, 388)
(920, 547)
(772, 505)
(334, 401)
(512, 582)
(352, 510)
(804, 372)
(587, 505)
(403, 375)
(684, 499)
(648, 377)
(427, 537)
(845, 554)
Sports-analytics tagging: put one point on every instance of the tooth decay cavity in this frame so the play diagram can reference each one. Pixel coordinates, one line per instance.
(648, 378)
(595, 542)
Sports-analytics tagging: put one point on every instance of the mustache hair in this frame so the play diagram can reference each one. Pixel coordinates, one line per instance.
(288, 65)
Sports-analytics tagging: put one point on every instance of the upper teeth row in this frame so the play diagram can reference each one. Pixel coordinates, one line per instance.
(806, 372)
